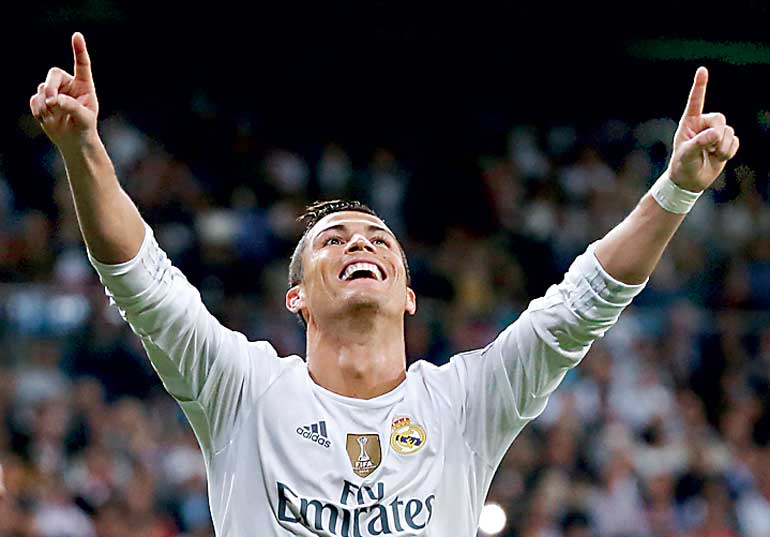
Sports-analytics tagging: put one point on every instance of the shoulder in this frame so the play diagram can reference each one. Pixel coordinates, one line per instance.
(423, 369)
(264, 349)
(444, 381)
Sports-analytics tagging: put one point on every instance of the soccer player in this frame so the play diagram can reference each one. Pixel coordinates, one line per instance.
(349, 442)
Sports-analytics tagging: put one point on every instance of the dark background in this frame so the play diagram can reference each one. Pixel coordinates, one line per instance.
(220, 91)
(439, 83)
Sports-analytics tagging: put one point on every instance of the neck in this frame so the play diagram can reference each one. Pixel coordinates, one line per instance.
(362, 356)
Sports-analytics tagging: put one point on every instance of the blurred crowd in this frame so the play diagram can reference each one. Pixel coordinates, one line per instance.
(662, 431)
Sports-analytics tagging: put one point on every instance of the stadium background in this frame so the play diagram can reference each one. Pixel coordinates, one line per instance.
(496, 140)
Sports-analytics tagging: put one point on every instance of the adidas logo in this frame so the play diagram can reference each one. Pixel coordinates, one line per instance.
(315, 432)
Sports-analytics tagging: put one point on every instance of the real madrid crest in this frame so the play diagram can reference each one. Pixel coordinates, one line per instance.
(406, 437)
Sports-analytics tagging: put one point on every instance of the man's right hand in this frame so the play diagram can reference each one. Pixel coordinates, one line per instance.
(66, 105)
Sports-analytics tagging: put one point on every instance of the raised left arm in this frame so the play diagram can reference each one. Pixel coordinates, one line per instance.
(703, 143)
(497, 390)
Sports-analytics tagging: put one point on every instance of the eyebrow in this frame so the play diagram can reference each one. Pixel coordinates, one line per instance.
(343, 227)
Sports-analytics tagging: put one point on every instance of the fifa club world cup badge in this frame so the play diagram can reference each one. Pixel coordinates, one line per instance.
(406, 437)
(364, 453)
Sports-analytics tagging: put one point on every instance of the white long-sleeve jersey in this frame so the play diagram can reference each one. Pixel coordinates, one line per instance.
(284, 456)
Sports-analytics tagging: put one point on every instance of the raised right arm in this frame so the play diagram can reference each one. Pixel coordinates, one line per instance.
(213, 372)
(66, 107)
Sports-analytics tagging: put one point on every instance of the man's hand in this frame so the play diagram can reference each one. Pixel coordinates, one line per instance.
(66, 105)
(703, 143)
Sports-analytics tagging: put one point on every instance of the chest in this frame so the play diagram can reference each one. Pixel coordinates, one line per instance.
(322, 467)
(308, 438)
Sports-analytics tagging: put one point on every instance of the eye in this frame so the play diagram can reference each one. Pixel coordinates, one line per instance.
(381, 241)
(333, 241)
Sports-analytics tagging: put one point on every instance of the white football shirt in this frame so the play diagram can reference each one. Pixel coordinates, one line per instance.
(284, 456)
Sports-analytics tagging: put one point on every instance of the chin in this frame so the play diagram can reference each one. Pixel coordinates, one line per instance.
(362, 302)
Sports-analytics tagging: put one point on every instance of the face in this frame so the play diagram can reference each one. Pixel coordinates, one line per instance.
(351, 264)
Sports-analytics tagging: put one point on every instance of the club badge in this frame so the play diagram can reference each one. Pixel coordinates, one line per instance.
(406, 437)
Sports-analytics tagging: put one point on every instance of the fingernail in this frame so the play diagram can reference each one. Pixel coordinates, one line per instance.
(50, 101)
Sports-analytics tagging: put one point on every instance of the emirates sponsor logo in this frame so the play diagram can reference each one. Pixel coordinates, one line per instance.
(362, 511)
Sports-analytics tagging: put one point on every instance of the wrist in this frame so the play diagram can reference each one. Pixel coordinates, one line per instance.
(81, 146)
(672, 197)
(673, 172)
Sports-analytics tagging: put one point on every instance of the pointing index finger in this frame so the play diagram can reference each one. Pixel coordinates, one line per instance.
(697, 93)
(82, 61)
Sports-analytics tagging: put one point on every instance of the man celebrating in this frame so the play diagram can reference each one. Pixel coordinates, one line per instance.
(349, 442)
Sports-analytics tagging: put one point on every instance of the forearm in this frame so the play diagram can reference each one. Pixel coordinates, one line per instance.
(109, 221)
(631, 250)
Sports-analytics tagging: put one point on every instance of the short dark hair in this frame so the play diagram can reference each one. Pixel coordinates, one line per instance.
(315, 212)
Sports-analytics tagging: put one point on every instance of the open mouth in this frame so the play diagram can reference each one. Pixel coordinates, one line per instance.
(362, 270)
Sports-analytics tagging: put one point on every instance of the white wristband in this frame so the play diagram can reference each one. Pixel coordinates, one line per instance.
(672, 197)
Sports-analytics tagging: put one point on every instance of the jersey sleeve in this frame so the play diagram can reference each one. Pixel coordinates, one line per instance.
(499, 389)
(213, 372)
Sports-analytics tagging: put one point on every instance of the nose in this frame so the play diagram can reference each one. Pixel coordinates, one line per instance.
(359, 243)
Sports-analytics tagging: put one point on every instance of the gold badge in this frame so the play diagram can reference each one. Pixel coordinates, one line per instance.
(407, 437)
(364, 453)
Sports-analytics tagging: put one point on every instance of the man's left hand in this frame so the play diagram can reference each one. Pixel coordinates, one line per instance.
(703, 143)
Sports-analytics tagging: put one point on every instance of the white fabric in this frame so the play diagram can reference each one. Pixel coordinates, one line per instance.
(246, 406)
(672, 197)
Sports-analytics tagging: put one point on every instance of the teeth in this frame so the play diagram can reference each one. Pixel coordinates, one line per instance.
(374, 269)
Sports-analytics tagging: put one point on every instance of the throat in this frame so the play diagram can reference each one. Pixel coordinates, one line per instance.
(355, 366)
(358, 384)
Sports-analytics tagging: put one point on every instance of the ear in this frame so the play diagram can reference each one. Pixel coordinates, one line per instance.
(411, 301)
(295, 299)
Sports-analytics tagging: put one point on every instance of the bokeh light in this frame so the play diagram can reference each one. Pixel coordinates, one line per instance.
(492, 519)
